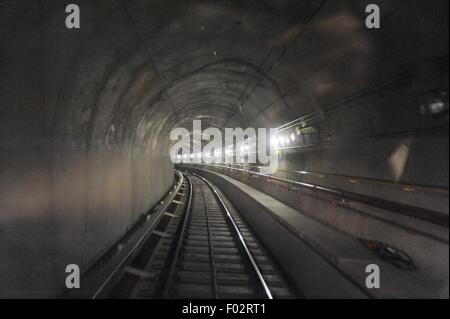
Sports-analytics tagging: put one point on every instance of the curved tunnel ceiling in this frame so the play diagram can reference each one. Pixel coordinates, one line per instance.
(86, 113)
(231, 64)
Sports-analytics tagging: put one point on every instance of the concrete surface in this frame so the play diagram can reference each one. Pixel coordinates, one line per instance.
(425, 242)
(85, 113)
(305, 248)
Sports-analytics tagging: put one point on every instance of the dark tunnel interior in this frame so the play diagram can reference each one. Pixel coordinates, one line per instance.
(86, 114)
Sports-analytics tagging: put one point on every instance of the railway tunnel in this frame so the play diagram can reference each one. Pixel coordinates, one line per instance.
(361, 116)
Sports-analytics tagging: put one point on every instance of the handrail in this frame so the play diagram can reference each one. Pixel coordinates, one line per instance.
(141, 239)
(424, 214)
(317, 174)
(248, 254)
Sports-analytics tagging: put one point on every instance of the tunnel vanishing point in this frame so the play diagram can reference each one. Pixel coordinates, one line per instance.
(88, 186)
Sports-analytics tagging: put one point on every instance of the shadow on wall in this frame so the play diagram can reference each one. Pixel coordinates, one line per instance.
(70, 215)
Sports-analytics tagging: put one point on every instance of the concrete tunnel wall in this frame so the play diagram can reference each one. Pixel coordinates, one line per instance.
(85, 114)
(79, 163)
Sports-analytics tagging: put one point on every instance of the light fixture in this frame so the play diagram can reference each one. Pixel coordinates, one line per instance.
(292, 137)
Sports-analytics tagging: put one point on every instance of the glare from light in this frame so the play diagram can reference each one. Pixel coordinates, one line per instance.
(274, 141)
(292, 137)
(287, 141)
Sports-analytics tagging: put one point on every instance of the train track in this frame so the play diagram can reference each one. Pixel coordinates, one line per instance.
(201, 249)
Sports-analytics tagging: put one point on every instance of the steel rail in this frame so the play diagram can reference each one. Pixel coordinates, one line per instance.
(141, 239)
(211, 248)
(424, 214)
(244, 246)
(177, 252)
